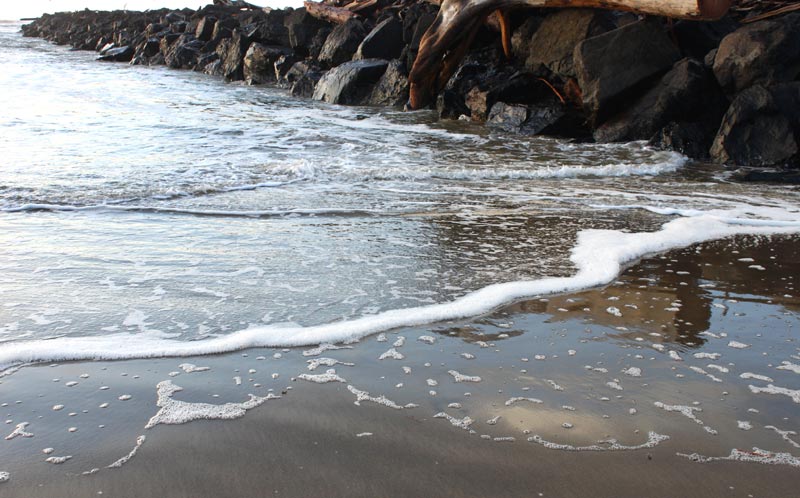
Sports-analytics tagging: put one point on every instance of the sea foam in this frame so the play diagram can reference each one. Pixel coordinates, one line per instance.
(599, 256)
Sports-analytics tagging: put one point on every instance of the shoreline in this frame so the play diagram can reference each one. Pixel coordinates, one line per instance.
(543, 90)
(317, 426)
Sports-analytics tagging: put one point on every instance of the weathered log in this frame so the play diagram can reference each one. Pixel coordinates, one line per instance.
(457, 19)
(336, 15)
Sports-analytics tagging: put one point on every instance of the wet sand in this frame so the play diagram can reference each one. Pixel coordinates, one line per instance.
(667, 316)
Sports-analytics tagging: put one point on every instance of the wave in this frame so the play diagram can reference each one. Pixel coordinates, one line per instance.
(599, 256)
(277, 213)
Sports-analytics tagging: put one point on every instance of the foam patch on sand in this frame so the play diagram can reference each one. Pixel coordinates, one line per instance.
(686, 411)
(19, 431)
(771, 389)
(174, 412)
(653, 439)
(122, 461)
(328, 376)
(5, 476)
(365, 396)
(599, 256)
(784, 435)
(755, 456)
(459, 377)
(461, 423)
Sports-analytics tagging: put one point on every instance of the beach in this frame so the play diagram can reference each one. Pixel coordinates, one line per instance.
(561, 370)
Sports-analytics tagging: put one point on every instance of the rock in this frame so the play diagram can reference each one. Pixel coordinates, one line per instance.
(761, 128)
(302, 28)
(773, 176)
(612, 67)
(184, 52)
(342, 43)
(119, 54)
(553, 43)
(259, 63)
(350, 83)
(385, 41)
(508, 117)
(522, 37)
(688, 92)
(302, 78)
(231, 52)
(697, 38)
(392, 88)
(761, 53)
(282, 67)
(692, 139)
(270, 30)
(173, 17)
(205, 28)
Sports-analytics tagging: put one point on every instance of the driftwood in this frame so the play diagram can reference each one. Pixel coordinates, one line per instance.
(330, 13)
(442, 46)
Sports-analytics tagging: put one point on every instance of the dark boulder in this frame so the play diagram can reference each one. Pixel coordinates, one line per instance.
(385, 41)
(614, 67)
(522, 37)
(688, 92)
(350, 83)
(302, 29)
(392, 88)
(302, 78)
(270, 30)
(119, 54)
(761, 128)
(761, 53)
(697, 38)
(205, 28)
(342, 42)
(553, 43)
(184, 52)
(231, 52)
(525, 119)
(692, 139)
(282, 66)
(259, 63)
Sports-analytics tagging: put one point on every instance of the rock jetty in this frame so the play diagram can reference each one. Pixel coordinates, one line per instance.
(726, 91)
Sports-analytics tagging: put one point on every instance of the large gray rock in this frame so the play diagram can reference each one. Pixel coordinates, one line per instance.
(761, 128)
(612, 67)
(553, 43)
(119, 54)
(183, 54)
(231, 52)
(205, 28)
(350, 83)
(302, 78)
(392, 88)
(259, 63)
(270, 29)
(688, 92)
(342, 43)
(302, 28)
(765, 53)
(385, 41)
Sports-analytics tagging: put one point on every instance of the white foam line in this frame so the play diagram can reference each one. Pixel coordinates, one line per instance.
(653, 439)
(755, 456)
(600, 255)
(122, 461)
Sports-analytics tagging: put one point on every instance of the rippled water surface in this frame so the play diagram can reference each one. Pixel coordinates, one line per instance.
(161, 202)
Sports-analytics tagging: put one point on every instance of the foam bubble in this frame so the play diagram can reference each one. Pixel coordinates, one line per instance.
(517, 399)
(771, 389)
(459, 377)
(380, 400)
(4, 476)
(58, 460)
(122, 461)
(750, 375)
(653, 439)
(19, 431)
(180, 412)
(328, 376)
(461, 423)
(755, 456)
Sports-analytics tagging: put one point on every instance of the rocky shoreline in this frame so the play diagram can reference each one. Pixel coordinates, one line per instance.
(725, 92)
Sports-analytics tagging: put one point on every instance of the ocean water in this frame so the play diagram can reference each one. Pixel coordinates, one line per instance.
(149, 212)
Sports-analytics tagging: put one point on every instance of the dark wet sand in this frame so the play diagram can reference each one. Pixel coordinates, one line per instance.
(305, 443)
